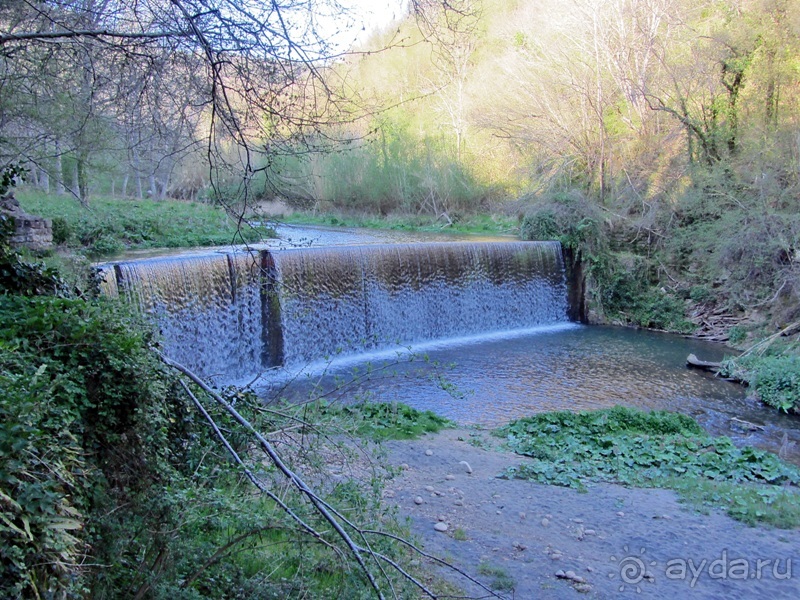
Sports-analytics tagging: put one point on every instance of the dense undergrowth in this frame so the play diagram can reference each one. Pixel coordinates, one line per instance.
(111, 225)
(113, 485)
(656, 449)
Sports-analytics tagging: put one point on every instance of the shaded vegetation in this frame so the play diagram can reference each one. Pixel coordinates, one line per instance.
(113, 485)
(656, 449)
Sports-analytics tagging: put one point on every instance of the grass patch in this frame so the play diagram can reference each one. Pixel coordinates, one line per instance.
(380, 420)
(656, 449)
(111, 225)
(500, 579)
(474, 224)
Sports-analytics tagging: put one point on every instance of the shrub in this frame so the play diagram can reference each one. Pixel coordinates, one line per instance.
(569, 218)
(62, 230)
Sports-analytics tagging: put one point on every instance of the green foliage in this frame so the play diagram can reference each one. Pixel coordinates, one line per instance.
(472, 224)
(9, 175)
(83, 418)
(625, 286)
(736, 335)
(627, 291)
(655, 449)
(775, 378)
(112, 225)
(383, 420)
(393, 171)
(501, 580)
(570, 218)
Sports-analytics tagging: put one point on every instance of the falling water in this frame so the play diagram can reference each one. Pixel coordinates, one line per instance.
(208, 309)
(231, 316)
(346, 299)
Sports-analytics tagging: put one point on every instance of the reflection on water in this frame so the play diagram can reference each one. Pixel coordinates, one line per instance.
(493, 381)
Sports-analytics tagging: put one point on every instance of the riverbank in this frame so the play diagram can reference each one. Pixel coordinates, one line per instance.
(112, 225)
(528, 540)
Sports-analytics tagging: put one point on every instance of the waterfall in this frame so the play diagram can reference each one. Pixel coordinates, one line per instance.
(230, 316)
(207, 309)
(341, 300)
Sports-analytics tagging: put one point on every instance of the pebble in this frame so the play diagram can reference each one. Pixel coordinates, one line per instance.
(620, 514)
(428, 452)
(589, 532)
(583, 588)
(404, 466)
(428, 488)
(499, 512)
(450, 477)
(466, 466)
(555, 556)
(441, 526)
(577, 520)
(571, 575)
(522, 516)
(458, 502)
(418, 500)
(442, 518)
(545, 522)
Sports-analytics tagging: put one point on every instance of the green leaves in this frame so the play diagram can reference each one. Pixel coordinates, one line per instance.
(384, 420)
(775, 378)
(631, 447)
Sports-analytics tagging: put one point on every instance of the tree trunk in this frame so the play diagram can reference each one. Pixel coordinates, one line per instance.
(82, 181)
(44, 181)
(59, 172)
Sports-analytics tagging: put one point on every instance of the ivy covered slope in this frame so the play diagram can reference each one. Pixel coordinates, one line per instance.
(84, 434)
(656, 449)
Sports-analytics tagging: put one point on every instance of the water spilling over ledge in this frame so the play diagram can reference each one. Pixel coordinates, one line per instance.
(233, 315)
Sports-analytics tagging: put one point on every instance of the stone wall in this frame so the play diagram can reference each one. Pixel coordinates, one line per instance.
(30, 231)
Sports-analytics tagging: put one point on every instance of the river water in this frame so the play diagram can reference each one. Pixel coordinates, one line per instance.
(484, 379)
(488, 380)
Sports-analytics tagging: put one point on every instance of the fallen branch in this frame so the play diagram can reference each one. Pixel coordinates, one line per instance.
(283, 468)
(329, 513)
(764, 344)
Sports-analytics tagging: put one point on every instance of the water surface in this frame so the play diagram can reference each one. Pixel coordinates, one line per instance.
(493, 379)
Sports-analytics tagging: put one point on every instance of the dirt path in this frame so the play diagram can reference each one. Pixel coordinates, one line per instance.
(616, 541)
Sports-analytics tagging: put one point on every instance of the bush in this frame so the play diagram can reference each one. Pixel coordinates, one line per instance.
(62, 231)
(627, 291)
(569, 218)
(775, 378)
